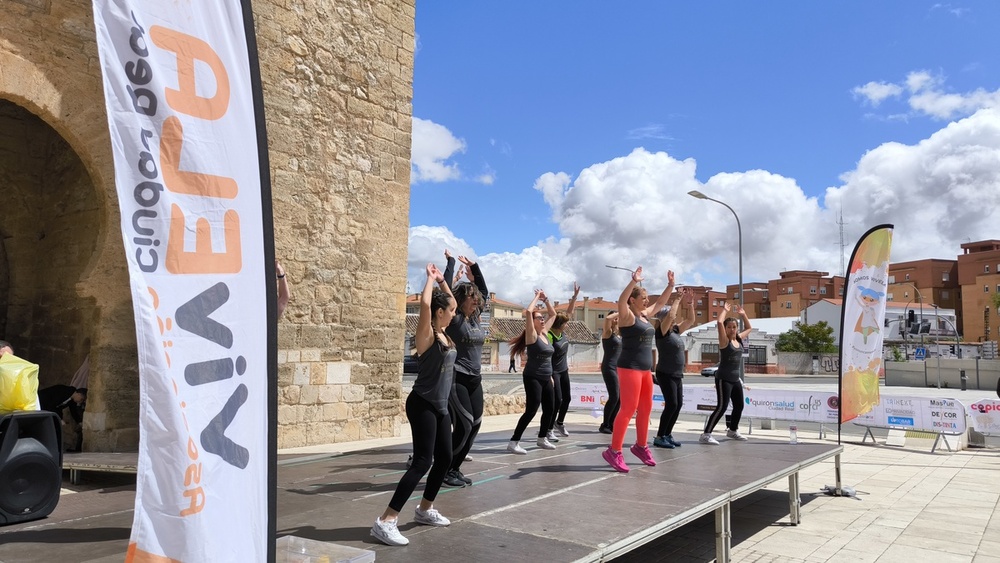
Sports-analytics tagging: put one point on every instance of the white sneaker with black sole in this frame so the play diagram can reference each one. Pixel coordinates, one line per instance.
(430, 518)
(551, 436)
(561, 429)
(735, 435)
(388, 533)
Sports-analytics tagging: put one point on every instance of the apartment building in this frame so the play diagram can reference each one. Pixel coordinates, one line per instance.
(797, 290)
(707, 303)
(756, 300)
(930, 282)
(979, 282)
(591, 311)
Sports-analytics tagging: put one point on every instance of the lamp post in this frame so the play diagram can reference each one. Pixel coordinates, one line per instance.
(920, 299)
(739, 233)
(937, 340)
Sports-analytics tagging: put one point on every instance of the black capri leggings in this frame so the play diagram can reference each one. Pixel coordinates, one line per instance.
(466, 408)
(614, 402)
(537, 392)
(724, 392)
(562, 396)
(431, 440)
(673, 398)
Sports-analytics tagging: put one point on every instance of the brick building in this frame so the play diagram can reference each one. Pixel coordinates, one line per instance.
(796, 290)
(979, 281)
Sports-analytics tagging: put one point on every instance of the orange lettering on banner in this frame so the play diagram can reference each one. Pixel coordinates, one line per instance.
(203, 260)
(189, 49)
(182, 182)
(136, 555)
(192, 476)
(197, 497)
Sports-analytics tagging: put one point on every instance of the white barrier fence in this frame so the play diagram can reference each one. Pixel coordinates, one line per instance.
(942, 416)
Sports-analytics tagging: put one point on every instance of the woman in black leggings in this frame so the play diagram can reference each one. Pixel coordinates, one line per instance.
(670, 366)
(537, 372)
(728, 386)
(560, 367)
(427, 411)
(611, 342)
(466, 402)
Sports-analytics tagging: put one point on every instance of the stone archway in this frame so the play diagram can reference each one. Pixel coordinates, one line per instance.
(49, 229)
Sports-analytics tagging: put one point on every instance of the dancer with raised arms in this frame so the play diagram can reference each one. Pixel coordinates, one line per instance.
(427, 411)
(635, 376)
(537, 373)
(728, 386)
(670, 365)
(611, 342)
(560, 367)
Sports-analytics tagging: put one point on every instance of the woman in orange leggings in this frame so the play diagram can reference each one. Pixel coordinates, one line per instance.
(635, 366)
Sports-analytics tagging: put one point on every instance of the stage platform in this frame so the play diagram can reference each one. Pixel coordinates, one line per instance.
(560, 505)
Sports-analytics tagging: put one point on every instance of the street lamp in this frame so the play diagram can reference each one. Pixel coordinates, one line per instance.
(937, 341)
(920, 299)
(739, 232)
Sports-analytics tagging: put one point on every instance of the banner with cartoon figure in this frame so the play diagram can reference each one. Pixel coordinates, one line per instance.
(861, 323)
(182, 91)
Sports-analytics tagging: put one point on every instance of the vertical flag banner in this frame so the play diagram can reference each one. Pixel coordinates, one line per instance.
(861, 323)
(182, 89)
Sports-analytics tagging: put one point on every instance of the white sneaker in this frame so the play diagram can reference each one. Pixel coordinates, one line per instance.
(708, 439)
(545, 444)
(514, 448)
(388, 533)
(430, 518)
(551, 436)
(468, 458)
(735, 435)
(561, 429)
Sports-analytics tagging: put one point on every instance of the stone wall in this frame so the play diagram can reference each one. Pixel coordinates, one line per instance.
(338, 91)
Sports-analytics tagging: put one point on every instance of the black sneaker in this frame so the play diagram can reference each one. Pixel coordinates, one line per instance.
(452, 479)
(605, 430)
(462, 476)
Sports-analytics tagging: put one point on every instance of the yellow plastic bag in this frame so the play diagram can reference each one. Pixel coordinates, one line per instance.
(18, 385)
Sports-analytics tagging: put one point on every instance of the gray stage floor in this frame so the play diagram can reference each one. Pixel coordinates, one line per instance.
(560, 505)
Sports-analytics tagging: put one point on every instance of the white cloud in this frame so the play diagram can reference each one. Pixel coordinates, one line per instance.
(634, 210)
(875, 92)
(651, 131)
(927, 95)
(433, 146)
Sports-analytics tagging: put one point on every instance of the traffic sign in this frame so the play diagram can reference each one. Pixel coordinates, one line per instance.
(920, 354)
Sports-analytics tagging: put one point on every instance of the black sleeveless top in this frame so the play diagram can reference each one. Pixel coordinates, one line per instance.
(637, 345)
(435, 375)
(670, 353)
(730, 359)
(612, 348)
(468, 336)
(560, 351)
(539, 364)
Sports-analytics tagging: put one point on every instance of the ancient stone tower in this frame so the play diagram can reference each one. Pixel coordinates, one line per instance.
(338, 85)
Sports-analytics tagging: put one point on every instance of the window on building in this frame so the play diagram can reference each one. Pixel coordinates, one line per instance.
(699, 313)
(789, 290)
(758, 355)
(710, 353)
(788, 304)
(841, 292)
(892, 279)
(822, 291)
(986, 268)
(998, 288)
(812, 290)
(944, 276)
(986, 289)
(907, 277)
(715, 315)
(699, 302)
(600, 315)
(944, 294)
(906, 295)
(888, 297)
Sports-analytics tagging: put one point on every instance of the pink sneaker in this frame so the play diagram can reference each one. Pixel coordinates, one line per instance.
(643, 453)
(615, 460)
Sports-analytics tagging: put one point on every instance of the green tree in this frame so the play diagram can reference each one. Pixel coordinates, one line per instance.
(996, 301)
(815, 338)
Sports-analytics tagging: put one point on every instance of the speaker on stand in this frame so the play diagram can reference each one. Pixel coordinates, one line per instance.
(30, 465)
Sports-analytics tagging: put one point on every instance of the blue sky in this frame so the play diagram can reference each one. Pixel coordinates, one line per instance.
(552, 138)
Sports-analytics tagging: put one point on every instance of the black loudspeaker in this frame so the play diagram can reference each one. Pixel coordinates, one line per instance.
(30, 465)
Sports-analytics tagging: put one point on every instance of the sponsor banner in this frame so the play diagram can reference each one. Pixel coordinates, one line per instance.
(778, 404)
(985, 416)
(945, 416)
(861, 326)
(179, 92)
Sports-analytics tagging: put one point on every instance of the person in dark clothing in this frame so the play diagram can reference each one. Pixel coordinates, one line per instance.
(728, 386)
(513, 365)
(635, 364)
(465, 330)
(537, 373)
(560, 367)
(427, 411)
(611, 342)
(670, 366)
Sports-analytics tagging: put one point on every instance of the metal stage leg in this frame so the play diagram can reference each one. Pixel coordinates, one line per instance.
(723, 533)
(74, 476)
(868, 432)
(794, 500)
